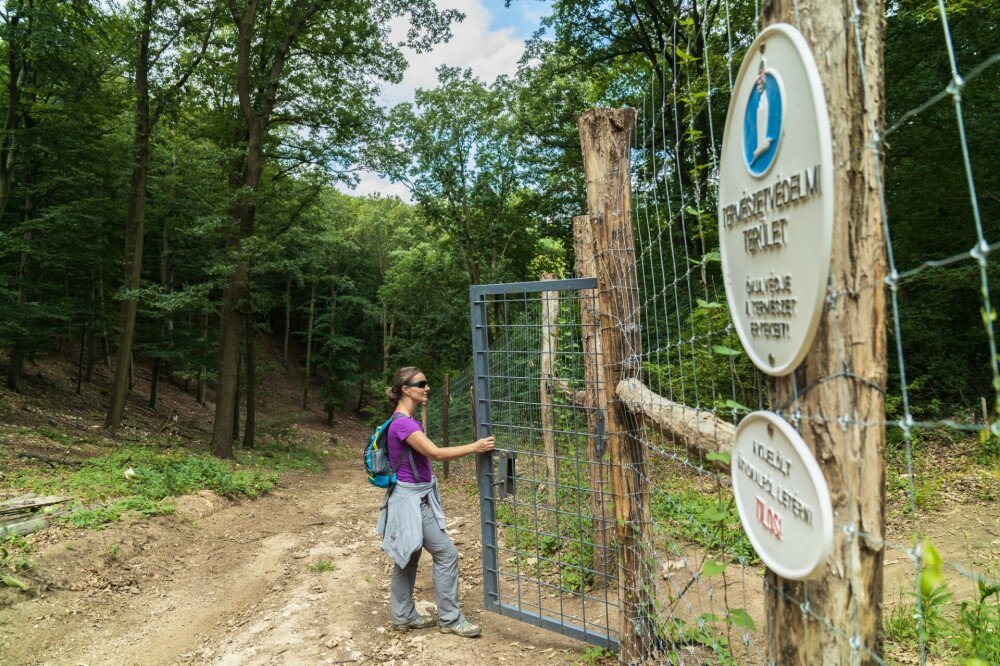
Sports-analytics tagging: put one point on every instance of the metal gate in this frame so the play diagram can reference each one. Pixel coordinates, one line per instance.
(545, 502)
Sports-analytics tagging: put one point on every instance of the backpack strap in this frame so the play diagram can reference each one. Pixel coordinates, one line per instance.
(409, 450)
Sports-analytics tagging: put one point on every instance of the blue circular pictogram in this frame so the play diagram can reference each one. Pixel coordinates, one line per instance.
(762, 124)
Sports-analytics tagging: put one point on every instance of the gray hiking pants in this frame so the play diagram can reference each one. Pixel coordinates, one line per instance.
(445, 575)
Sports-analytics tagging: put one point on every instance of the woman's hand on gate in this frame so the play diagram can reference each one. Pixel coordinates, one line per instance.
(484, 445)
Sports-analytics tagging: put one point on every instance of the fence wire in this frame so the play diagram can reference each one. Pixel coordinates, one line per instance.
(711, 591)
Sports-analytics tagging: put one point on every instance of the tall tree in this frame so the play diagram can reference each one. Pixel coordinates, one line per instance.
(172, 39)
(308, 64)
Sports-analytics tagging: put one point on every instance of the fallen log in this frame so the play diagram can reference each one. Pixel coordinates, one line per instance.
(699, 431)
(50, 460)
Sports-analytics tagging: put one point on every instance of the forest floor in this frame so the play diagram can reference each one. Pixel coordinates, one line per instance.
(297, 576)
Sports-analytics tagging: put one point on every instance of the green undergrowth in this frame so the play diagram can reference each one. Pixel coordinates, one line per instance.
(142, 480)
(707, 519)
(965, 632)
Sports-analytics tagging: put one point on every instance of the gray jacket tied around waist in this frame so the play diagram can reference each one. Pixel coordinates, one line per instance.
(399, 521)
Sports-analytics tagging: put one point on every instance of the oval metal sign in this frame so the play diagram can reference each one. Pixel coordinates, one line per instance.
(776, 200)
(781, 496)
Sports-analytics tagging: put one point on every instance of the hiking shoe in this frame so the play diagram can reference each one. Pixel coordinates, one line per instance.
(422, 622)
(464, 628)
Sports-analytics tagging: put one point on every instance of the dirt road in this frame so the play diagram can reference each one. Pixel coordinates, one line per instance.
(227, 582)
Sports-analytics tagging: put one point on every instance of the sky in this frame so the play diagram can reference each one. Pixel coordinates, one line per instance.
(490, 41)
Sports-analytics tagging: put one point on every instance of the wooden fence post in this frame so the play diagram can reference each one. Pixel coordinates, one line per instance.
(550, 322)
(851, 341)
(605, 137)
(445, 402)
(594, 402)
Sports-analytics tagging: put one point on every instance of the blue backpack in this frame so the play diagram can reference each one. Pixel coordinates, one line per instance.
(381, 473)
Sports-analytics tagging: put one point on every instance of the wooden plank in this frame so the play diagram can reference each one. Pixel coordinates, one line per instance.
(30, 502)
(25, 527)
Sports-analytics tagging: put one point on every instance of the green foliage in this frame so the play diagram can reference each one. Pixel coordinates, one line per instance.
(15, 554)
(978, 637)
(704, 519)
(970, 636)
(598, 656)
(141, 480)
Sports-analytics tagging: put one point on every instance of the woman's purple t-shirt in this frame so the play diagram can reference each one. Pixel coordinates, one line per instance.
(399, 430)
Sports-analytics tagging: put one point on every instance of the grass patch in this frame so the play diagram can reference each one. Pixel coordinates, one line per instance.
(319, 566)
(281, 457)
(106, 490)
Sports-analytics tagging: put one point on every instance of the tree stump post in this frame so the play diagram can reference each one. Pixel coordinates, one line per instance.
(605, 137)
(851, 339)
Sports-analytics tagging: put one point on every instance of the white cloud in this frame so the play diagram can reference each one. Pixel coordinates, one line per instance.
(488, 52)
(371, 183)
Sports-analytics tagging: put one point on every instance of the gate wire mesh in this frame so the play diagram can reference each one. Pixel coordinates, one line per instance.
(553, 528)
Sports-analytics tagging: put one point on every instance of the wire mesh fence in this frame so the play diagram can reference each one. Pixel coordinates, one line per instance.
(706, 597)
(712, 595)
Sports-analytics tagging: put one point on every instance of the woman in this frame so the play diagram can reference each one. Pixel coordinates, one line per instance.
(412, 518)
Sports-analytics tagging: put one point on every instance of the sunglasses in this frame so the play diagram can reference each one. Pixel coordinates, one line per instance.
(421, 384)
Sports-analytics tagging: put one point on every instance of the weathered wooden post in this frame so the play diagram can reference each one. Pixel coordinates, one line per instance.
(850, 342)
(605, 137)
(550, 322)
(595, 401)
(445, 403)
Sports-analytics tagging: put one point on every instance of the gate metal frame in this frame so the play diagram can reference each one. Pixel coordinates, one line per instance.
(484, 462)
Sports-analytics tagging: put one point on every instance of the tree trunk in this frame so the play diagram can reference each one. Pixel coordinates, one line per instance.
(79, 364)
(154, 382)
(309, 341)
(331, 357)
(445, 406)
(16, 70)
(131, 371)
(203, 369)
(135, 221)
(549, 331)
(386, 339)
(250, 429)
(228, 368)
(605, 137)
(166, 281)
(236, 400)
(595, 402)
(288, 318)
(17, 351)
(851, 339)
(91, 355)
(105, 346)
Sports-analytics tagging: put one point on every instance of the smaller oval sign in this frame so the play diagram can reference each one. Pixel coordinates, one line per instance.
(782, 496)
